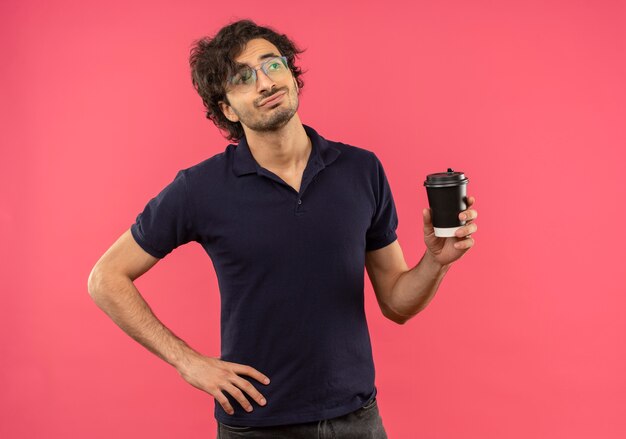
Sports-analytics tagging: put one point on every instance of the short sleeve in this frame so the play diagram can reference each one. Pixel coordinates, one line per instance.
(166, 222)
(382, 230)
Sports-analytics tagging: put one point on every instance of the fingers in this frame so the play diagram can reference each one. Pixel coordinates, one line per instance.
(466, 230)
(236, 386)
(469, 214)
(426, 215)
(239, 396)
(250, 390)
(250, 371)
(428, 225)
(215, 377)
(223, 401)
(465, 244)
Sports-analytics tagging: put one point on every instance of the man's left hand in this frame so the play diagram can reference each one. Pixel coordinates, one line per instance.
(448, 250)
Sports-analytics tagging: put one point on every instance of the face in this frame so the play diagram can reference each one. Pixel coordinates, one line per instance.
(247, 108)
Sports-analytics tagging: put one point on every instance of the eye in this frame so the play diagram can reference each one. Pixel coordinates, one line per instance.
(243, 77)
(276, 64)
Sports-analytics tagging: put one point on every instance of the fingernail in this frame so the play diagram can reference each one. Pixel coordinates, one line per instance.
(266, 381)
(463, 216)
(263, 401)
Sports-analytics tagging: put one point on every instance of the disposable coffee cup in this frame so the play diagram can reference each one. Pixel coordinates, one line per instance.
(447, 197)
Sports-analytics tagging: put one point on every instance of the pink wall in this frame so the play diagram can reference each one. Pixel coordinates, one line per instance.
(526, 336)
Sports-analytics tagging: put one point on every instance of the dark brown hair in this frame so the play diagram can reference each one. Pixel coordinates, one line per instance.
(212, 63)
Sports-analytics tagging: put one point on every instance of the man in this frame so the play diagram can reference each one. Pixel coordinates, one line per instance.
(289, 220)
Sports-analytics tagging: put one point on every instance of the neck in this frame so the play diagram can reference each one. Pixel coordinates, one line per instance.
(286, 149)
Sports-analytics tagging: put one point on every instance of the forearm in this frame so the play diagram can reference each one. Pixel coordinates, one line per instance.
(118, 297)
(415, 288)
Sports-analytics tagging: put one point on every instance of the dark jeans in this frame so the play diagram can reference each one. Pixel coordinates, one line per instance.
(364, 423)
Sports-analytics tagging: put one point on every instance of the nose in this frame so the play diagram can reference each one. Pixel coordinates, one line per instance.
(263, 82)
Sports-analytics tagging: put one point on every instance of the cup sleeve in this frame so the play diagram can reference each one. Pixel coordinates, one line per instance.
(166, 221)
(382, 230)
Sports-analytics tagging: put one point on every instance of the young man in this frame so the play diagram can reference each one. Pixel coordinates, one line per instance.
(289, 220)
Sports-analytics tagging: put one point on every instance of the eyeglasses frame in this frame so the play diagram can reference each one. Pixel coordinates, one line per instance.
(263, 67)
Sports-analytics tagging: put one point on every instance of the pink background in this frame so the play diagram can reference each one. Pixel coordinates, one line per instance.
(526, 337)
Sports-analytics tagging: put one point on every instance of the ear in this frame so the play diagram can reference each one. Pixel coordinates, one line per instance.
(228, 111)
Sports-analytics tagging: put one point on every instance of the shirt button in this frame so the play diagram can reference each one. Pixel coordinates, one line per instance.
(299, 201)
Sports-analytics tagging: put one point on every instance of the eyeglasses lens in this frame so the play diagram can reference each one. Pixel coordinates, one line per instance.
(245, 79)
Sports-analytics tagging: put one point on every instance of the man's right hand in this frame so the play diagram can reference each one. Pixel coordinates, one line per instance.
(215, 376)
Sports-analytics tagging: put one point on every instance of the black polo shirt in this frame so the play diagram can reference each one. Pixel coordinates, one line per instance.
(290, 270)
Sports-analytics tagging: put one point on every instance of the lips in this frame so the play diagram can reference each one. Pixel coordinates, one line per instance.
(274, 98)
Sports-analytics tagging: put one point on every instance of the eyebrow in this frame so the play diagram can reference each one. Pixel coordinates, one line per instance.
(267, 55)
(261, 58)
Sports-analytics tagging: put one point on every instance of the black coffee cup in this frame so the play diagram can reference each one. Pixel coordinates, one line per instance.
(447, 197)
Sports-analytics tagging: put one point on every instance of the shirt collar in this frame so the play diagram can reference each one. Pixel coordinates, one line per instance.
(323, 154)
